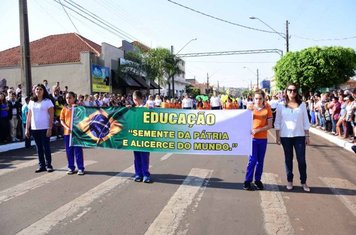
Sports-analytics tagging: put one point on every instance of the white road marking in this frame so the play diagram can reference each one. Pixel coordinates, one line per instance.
(339, 187)
(79, 205)
(166, 156)
(16, 167)
(32, 184)
(276, 219)
(20, 166)
(172, 214)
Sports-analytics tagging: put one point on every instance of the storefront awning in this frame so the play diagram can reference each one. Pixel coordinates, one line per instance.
(154, 85)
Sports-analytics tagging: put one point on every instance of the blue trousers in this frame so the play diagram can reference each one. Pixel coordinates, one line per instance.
(27, 140)
(43, 148)
(312, 117)
(256, 160)
(71, 151)
(297, 143)
(142, 162)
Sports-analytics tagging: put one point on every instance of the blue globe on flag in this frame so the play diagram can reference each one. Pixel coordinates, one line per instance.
(99, 126)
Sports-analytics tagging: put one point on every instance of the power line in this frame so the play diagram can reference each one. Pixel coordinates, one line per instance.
(326, 39)
(113, 31)
(220, 19)
(69, 17)
(256, 29)
(96, 17)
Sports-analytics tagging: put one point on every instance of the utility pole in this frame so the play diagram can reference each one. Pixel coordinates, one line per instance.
(207, 83)
(258, 80)
(26, 77)
(287, 36)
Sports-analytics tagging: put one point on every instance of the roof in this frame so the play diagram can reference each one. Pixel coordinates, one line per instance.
(53, 49)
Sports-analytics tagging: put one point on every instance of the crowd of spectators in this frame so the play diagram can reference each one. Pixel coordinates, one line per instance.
(334, 112)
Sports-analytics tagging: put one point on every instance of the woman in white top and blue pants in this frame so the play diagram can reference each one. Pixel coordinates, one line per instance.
(292, 131)
(40, 120)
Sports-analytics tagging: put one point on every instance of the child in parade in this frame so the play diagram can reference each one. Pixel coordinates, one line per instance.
(66, 121)
(262, 122)
(142, 159)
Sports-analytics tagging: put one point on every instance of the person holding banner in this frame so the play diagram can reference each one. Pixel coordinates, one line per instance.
(292, 131)
(262, 122)
(142, 159)
(66, 122)
(40, 118)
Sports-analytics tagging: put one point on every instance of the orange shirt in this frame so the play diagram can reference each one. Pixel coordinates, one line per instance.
(165, 105)
(206, 105)
(229, 105)
(260, 119)
(66, 117)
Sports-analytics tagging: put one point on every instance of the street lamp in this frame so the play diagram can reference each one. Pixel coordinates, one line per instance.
(257, 76)
(284, 36)
(194, 39)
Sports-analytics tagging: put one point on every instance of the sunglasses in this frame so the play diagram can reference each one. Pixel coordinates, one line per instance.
(292, 90)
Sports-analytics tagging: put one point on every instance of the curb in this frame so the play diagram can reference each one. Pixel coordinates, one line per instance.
(19, 145)
(331, 138)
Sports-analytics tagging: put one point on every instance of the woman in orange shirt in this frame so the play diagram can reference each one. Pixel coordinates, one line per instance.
(262, 122)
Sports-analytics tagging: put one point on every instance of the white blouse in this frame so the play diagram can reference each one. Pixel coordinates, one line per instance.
(291, 122)
(40, 116)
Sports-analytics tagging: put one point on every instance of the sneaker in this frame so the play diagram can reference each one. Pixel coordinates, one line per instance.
(290, 185)
(147, 180)
(70, 172)
(248, 186)
(49, 169)
(40, 170)
(305, 188)
(138, 179)
(80, 172)
(259, 185)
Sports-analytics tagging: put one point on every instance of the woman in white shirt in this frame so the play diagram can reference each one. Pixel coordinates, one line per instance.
(292, 131)
(40, 120)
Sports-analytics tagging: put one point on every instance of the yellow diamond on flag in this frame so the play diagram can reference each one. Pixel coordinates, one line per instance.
(99, 127)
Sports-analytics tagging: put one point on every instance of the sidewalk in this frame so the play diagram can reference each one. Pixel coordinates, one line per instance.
(18, 145)
(334, 139)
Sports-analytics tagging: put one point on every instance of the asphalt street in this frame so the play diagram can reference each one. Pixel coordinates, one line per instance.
(191, 194)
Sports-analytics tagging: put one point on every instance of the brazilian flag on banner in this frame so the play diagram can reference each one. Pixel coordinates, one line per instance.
(223, 132)
(98, 127)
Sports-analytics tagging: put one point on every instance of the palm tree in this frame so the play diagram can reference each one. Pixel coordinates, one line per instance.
(173, 67)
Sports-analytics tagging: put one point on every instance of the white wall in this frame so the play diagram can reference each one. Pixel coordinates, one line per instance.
(74, 75)
(109, 53)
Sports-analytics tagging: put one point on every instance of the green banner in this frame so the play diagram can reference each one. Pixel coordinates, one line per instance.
(219, 132)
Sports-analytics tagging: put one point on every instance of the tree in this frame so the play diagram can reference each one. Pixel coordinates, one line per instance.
(193, 91)
(173, 67)
(316, 67)
(155, 63)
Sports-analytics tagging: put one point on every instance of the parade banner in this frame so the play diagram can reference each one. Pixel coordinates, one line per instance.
(218, 132)
(100, 78)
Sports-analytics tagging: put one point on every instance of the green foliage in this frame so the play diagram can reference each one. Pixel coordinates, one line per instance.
(316, 67)
(246, 93)
(154, 64)
(155, 60)
(193, 91)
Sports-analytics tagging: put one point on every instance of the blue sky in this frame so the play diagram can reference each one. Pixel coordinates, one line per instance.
(160, 23)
